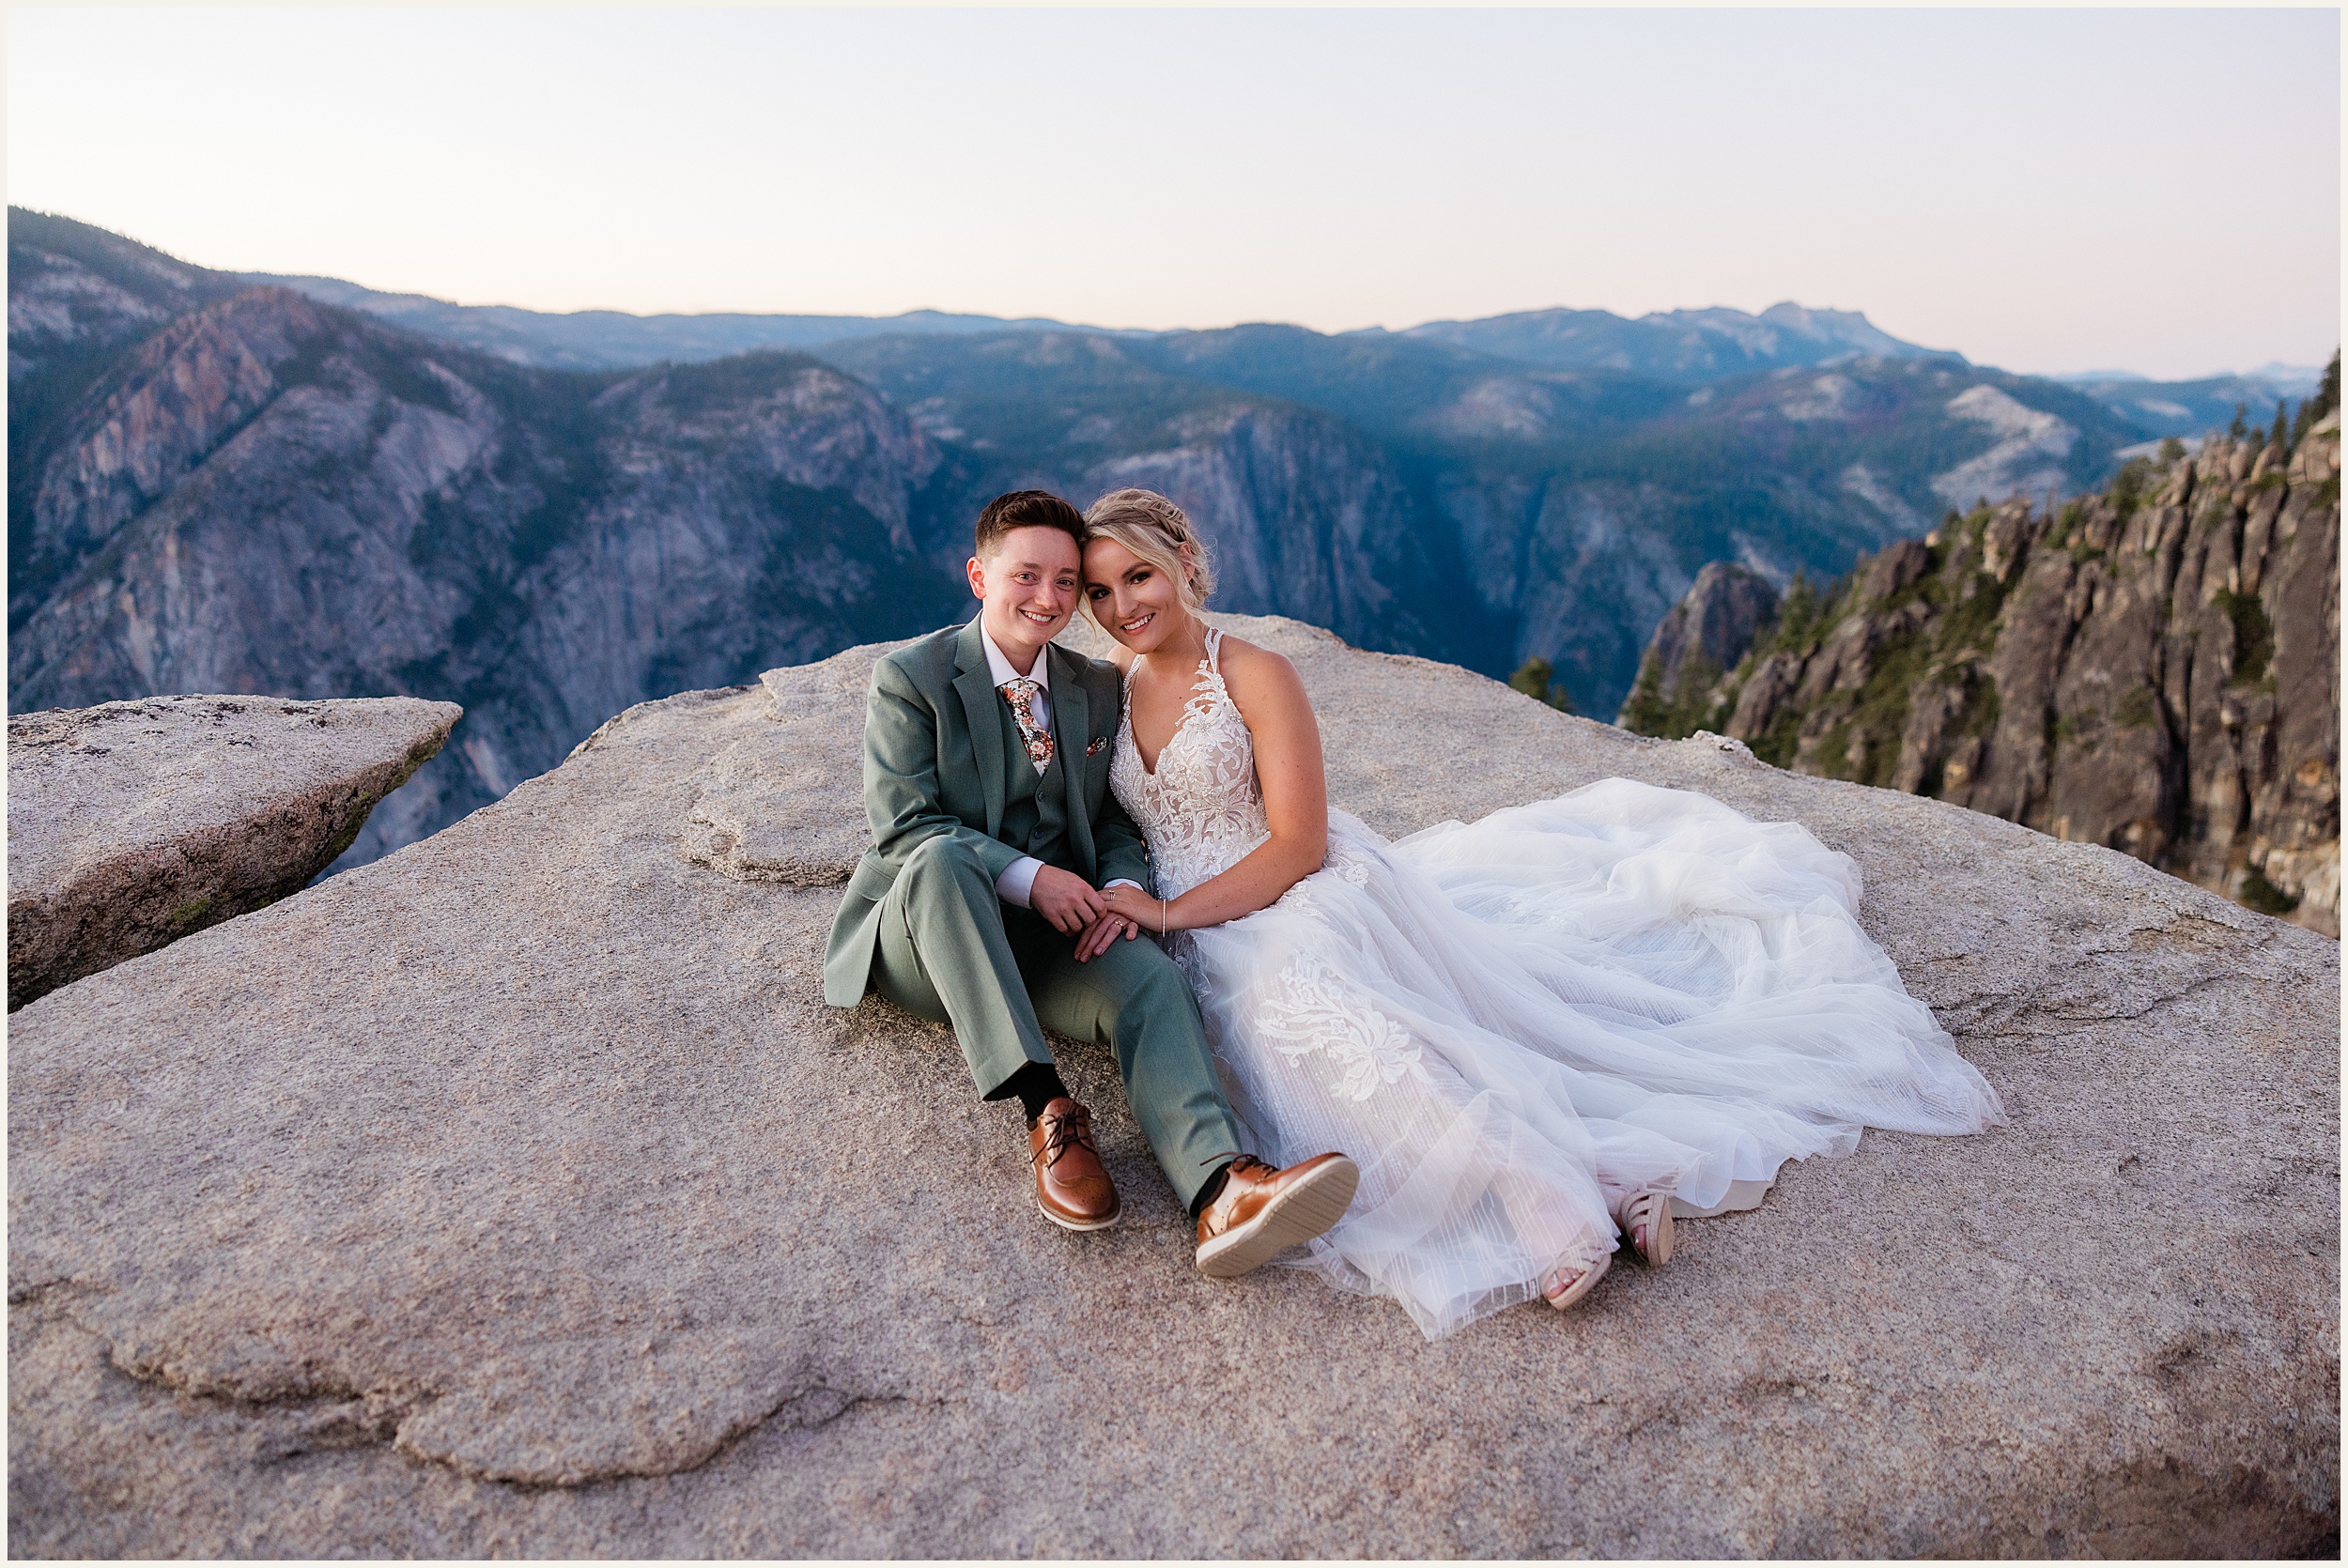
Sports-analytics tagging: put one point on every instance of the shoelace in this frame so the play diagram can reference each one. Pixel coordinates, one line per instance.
(1074, 1131)
(1238, 1162)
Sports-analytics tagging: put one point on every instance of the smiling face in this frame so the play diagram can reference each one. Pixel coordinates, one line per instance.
(1027, 588)
(1135, 601)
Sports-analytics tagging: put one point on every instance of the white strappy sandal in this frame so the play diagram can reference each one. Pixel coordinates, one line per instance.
(1563, 1286)
(1646, 1219)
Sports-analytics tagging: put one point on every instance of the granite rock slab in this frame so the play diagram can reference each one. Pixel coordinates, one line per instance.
(519, 1194)
(132, 825)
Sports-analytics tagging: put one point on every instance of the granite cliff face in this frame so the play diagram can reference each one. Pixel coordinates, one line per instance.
(75, 292)
(270, 495)
(513, 1195)
(2155, 669)
(1702, 638)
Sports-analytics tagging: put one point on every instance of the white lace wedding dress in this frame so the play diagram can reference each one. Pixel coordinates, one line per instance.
(1514, 1025)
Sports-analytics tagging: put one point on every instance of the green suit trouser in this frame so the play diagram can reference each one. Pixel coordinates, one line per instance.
(951, 951)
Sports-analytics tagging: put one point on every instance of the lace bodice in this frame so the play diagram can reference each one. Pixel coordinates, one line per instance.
(1202, 812)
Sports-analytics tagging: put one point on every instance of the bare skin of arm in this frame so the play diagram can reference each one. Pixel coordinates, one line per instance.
(1279, 716)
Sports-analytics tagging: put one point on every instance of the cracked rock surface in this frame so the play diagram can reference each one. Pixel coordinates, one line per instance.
(519, 1194)
(131, 824)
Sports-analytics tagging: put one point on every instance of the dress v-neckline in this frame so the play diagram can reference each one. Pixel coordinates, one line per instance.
(1192, 708)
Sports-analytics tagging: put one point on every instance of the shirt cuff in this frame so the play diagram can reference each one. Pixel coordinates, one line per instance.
(1017, 883)
(1122, 882)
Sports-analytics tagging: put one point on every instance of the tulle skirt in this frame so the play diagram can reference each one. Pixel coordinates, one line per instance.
(1513, 1026)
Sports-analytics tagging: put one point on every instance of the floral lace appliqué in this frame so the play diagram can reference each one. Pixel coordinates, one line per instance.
(1202, 812)
(1341, 863)
(1315, 1011)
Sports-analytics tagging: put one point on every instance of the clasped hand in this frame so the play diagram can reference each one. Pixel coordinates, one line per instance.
(1094, 916)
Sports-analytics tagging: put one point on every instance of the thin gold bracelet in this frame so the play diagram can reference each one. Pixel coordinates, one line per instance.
(1161, 916)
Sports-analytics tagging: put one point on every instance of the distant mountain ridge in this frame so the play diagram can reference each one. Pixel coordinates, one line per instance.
(2287, 380)
(1688, 348)
(1690, 345)
(616, 340)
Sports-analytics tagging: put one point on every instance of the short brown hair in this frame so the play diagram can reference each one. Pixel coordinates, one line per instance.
(1025, 509)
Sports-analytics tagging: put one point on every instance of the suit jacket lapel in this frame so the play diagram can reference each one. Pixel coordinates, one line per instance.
(975, 683)
(1072, 732)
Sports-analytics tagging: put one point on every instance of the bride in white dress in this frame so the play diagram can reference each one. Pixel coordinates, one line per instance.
(1531, 1033)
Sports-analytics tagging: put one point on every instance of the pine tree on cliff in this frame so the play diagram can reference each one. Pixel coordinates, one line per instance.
(2325, 400)
(1533, 679)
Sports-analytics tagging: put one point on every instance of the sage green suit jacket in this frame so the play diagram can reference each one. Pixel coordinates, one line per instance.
(936, 761)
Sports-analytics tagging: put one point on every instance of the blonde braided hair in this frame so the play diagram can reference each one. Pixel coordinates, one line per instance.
(1158, 532)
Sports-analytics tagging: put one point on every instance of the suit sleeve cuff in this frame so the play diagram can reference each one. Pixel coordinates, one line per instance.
(1018, 881)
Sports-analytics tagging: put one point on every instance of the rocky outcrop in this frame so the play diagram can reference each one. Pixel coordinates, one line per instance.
(519, 1194)
(132, 825)
(1705, 634)
(2155, 669)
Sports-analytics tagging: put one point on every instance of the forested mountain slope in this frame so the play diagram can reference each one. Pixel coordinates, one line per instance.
(2155, 669)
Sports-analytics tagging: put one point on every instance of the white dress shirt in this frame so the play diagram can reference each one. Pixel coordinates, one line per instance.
(1017, 883)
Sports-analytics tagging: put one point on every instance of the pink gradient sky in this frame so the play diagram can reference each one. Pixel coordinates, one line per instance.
(2047, 190)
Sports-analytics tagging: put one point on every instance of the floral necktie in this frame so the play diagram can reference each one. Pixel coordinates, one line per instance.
(1020, 692)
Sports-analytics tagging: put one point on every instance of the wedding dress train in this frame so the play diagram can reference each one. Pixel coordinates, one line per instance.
(1514, 1025)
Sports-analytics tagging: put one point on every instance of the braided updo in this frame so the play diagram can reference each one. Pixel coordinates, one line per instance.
(1158, 532)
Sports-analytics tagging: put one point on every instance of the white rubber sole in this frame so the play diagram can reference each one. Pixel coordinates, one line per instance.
(1079, 1224)
(1303, 1211)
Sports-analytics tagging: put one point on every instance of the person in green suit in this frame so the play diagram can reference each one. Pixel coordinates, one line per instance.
(986, 768)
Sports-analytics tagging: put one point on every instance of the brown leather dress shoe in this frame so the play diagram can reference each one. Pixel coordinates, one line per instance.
(1262, 1211)
(1070, 1186)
